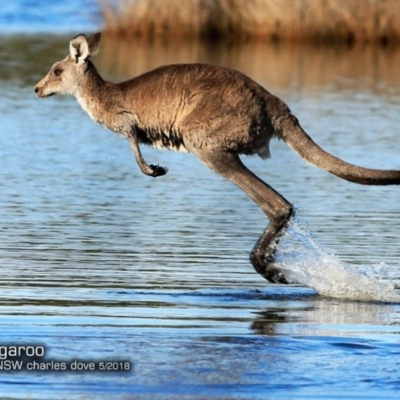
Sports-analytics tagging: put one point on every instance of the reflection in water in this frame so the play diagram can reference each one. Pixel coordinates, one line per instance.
(325, 317)
(279, 68)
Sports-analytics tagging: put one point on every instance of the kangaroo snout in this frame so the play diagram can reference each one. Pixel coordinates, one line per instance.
(39, 92)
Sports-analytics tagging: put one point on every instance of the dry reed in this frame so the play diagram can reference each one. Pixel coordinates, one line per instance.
(287, 20)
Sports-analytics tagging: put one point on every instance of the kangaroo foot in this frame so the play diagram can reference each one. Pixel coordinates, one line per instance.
(265, 265)
(272, 273)
(262, 257)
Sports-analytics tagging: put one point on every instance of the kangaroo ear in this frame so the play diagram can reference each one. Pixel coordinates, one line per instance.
(82, 48)
(94, 43)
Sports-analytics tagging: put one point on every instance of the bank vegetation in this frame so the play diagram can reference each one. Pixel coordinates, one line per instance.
(320, 21)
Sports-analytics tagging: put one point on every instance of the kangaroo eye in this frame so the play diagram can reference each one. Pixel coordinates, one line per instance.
(58, 72)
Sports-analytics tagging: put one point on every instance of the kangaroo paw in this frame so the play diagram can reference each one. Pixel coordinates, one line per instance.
(157, 170)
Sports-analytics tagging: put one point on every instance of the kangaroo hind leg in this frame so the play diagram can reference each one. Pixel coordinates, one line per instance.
(275, 206)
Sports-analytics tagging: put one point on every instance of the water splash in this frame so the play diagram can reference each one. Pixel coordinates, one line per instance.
(304, 261)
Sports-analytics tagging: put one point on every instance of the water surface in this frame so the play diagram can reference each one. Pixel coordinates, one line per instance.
(100, 263)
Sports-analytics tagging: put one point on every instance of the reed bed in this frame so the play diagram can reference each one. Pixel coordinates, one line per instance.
(320, 21)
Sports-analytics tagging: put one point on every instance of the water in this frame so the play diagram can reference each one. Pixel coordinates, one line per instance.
(100, 263)
(48, 17)
(311, 266)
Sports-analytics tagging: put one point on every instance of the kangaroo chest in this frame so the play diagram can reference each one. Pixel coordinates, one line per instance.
(161, 138)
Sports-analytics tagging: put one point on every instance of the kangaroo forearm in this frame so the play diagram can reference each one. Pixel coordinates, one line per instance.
(150, 170)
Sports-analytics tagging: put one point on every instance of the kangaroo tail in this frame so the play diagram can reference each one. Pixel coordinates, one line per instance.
(298, 140)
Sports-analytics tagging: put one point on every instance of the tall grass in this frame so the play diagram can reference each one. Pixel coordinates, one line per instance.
(287, 20)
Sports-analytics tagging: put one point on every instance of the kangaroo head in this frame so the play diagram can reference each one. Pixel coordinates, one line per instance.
(66, 76)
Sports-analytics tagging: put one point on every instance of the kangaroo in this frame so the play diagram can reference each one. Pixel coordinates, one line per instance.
(216, 113)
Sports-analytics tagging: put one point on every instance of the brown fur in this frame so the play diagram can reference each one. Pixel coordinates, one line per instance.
(215, 112)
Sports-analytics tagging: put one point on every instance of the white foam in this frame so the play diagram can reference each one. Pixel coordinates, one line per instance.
(303, 261)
